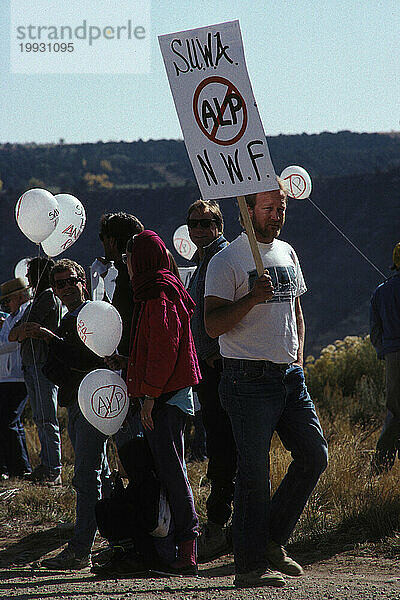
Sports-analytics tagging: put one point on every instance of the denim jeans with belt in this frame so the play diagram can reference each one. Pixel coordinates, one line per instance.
(262, 397)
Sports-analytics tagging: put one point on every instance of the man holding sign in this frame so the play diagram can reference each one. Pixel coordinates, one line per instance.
(260, 327)
(257, 316)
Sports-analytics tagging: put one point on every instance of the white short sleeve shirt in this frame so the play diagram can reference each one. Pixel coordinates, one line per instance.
(268, 331)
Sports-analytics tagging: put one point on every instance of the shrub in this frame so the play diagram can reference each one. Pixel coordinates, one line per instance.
(348, 379)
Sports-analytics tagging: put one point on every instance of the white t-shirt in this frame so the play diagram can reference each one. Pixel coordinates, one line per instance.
(102, 279)
(268, 331)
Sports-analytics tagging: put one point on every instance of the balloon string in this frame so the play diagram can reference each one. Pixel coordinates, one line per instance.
(347, 239)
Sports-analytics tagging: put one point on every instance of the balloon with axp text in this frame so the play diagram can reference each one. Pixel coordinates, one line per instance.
(37, 214)
(298, 182)
(182, 242)
(99, 326)
(103, 400)
(70, 225)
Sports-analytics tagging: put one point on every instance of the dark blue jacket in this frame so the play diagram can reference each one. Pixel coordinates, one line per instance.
(385, 316)
(205, 346)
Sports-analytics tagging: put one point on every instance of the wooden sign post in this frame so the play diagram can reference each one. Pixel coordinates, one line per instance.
(244, 211)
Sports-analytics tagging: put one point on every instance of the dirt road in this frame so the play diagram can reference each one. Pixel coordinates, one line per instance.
(341, 577)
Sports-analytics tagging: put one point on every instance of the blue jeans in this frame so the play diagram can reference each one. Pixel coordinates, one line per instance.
(166, 444)
(221, 449)
(12, 434)
(43, 399)
(91, 477)
(260, 398)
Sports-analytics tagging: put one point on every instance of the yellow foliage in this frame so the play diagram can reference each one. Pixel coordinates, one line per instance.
(106, 165)
(97, 181)
(34, 182)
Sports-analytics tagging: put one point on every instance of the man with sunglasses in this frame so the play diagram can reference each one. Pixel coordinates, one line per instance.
(69, 360)
(205, 224)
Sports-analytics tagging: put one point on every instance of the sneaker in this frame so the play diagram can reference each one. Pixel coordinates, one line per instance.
(103, 556)
(4, 477)
(67, 559)
(212, 542)
(259, 578)
(121, 564)
(278, 558)
(41, 475)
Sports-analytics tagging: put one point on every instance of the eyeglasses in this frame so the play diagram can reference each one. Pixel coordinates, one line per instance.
(204, 223)
(61, 283)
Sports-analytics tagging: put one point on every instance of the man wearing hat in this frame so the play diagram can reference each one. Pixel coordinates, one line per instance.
(385, 336)
(14, 296)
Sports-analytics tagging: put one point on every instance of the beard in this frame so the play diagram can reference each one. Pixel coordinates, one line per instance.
(269, 232)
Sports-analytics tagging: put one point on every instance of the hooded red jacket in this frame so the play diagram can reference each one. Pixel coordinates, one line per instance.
(163, 356)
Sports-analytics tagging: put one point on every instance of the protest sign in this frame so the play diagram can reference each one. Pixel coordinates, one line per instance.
(217, 111)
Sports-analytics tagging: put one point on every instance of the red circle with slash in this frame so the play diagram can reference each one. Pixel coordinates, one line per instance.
(230, 88)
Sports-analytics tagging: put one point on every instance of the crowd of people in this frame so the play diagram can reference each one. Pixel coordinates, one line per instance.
(233, 337)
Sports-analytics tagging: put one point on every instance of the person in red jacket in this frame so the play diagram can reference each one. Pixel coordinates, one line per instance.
(162, 367)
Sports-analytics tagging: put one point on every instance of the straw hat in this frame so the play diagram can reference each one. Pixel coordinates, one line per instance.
(14, 286)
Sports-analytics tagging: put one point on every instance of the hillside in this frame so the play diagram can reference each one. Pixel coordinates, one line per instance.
(363, 203)
(158, 163)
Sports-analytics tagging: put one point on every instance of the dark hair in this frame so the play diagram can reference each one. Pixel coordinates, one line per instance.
(63, 265)
(120, 226)
(39, 273)
(210, 205)
(129, 245)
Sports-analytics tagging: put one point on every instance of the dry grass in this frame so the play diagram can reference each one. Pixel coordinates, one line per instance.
(347, 509)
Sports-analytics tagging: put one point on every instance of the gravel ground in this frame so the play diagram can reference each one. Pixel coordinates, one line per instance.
(343, 576)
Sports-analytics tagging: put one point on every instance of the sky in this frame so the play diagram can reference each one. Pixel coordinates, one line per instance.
(326, 65)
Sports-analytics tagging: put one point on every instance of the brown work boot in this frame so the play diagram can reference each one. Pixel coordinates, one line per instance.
(259, 578)
(278, 559)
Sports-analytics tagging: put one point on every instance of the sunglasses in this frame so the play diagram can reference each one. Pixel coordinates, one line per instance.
(61, 283)
(204, 223)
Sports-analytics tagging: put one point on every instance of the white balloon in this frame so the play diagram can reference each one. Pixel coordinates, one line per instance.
(103, 400)
(182, 242)
(298, 182)
(99, 326)
(21, 268)
(37, 214)
(70, 225)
